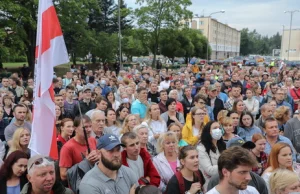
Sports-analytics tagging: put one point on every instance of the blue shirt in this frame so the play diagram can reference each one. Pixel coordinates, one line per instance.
(13, 189)
(210, 113)
(247, 133)
(223, 97)
(283, 140)
(139, 108)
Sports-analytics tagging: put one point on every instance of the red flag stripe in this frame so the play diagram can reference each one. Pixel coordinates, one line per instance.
(49, 18)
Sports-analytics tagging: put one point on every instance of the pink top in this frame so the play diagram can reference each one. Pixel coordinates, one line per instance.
(173, 166)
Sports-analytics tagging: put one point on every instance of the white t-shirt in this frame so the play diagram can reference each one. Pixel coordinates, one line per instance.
(249, 190)
(195, 131)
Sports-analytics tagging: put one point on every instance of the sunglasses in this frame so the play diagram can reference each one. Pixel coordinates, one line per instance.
(39, 161)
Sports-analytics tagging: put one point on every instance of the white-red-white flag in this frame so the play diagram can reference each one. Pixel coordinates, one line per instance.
(50, 52)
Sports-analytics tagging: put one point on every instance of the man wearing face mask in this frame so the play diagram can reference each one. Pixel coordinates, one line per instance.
(104, 87)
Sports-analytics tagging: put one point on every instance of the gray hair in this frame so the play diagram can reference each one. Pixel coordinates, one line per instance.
(137, 128)
(45, 163)
(95, 113)
(171, 92)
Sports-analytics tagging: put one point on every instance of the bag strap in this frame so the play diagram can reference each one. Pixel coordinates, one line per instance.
(180, 181)
(296, 93)
(198, 175)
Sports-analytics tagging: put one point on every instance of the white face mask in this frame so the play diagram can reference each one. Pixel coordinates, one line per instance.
(216, 134)
(125, 100)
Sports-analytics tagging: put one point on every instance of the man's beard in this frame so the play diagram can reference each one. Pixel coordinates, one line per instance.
(241, 186)
(110, 164)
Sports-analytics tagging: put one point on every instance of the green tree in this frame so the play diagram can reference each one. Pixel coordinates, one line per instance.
(154, 15)
(20, 18)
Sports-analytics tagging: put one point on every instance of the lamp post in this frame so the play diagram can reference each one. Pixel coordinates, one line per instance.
(222, 11)
(291, 12)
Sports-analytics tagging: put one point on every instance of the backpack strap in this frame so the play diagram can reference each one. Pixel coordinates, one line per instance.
(199, 178)
(180, 181)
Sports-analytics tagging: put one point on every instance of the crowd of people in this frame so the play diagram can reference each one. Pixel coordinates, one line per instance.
(198, 129)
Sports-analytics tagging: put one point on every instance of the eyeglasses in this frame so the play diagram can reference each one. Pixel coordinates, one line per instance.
(39, 161)
(203, 114)
(280, 93)
(201, 102)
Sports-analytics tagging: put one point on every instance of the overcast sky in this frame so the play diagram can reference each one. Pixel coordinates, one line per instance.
(266, 16)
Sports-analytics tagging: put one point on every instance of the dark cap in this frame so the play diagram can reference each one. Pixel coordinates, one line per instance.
(238, 141)
(108, 142)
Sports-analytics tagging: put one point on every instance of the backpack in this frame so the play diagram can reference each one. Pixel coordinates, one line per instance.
(179, 177)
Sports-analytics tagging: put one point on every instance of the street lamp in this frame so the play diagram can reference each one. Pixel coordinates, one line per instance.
(291, 12)
(222, 11)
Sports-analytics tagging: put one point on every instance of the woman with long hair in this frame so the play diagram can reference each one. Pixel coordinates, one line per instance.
(13, 173)
(7, 107)
(259, 154)
(58, 117)
(191, 176)
(112, 124)
(122, 113)
(129, 123)
(112, 100)
(210, 148)
(251, 103)
(28, 95)
(155, 123)
(191, 132)
(166, 162)
(280, 158)
(20, 141)
(239, 106)
(66, 132)
(247, 127)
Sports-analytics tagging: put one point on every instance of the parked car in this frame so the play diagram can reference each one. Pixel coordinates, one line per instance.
(251, 62)
(293, 63)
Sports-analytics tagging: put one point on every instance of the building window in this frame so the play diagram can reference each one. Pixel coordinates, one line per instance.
(201, 30)
(201, 23)
(187, 23)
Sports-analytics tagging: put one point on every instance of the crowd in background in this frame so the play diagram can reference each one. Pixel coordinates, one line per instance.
(197, 129)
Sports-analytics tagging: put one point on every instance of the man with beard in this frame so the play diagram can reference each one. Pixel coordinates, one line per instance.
(19, 112)
(234, 166)
(41, 177)
(108, 175)
(139, 160)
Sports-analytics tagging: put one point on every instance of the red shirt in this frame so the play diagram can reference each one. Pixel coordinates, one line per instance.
(61, 139)
(295, 93)
(179, 107)
(72, 152)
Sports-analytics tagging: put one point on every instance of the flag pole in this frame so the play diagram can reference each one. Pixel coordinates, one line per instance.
(84, 130)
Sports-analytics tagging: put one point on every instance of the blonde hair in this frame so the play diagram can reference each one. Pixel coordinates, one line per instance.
(280, 112)
(15, 145)
(148, 116)
(162, 138)
(221, 115)
(280, 179)
(125, 127)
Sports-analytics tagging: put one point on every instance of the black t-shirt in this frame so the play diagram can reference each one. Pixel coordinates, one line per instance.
(153, 97)
(173, 185)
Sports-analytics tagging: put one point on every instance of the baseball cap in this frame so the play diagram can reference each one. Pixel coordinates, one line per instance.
(238, 141)
(108, 142)
(212, 88)
(85, 88)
